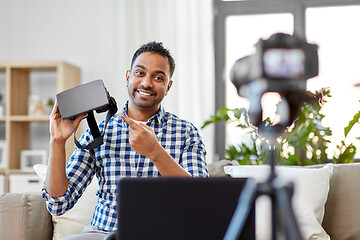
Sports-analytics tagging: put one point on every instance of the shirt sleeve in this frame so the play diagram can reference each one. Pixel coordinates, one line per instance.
(193, 158)
(80, 171)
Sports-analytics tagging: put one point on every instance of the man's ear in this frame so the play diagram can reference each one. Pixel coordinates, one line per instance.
(169, 86)
(127, 77)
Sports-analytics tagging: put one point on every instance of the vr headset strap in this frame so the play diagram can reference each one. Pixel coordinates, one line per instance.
(94, 129)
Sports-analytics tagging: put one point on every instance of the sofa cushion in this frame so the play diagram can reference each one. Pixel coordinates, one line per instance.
(311, 188)
(342, 214)
(74, 220)
(24, 217)
(216, 169)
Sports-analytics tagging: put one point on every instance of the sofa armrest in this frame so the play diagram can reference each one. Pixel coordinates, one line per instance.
(25, 217)
(342, 212)
(216, 169)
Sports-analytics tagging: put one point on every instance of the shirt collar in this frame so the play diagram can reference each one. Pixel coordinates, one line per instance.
(160, 116)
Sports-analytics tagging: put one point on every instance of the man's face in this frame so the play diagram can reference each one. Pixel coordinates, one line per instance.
(148, 81)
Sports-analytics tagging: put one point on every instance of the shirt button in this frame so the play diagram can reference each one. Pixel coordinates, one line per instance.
(139, 174)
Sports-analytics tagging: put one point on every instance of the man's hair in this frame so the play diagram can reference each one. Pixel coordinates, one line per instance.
(157, 48)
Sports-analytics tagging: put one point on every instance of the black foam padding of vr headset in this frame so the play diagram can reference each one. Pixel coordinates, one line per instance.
(87, 98)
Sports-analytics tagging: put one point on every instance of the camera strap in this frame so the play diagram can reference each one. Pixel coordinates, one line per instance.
(94, 129)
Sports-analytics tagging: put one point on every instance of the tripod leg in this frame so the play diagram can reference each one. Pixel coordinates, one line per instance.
(287, 216)
(274, 223)
(241, 214)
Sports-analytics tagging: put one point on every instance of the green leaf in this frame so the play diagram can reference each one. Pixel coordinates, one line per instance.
(352, 123)
(221, 114)
(347, 155)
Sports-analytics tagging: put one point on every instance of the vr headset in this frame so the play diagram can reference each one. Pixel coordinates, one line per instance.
(87, 98)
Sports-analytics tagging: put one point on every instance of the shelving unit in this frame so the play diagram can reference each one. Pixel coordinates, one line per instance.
(18, 123)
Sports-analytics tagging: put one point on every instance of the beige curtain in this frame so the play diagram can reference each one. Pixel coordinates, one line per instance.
(185, 27)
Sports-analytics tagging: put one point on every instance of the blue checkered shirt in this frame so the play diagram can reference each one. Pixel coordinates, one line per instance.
(115, 159)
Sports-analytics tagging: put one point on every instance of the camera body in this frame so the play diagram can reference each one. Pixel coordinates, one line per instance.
(281, 63)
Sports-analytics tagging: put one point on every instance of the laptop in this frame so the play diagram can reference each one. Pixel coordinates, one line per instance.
(179, 208)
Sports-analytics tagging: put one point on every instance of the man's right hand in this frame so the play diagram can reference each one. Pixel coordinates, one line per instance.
(56, 182)
(61, 129)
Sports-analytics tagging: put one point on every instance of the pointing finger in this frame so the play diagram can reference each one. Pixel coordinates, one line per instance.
(129, 121)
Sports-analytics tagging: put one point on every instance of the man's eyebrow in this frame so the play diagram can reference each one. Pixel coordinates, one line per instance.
(161, 72)
(140, 66)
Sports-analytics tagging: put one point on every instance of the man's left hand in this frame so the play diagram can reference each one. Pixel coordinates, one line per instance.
(142, 138)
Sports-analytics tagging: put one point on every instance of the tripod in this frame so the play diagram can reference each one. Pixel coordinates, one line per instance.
(283, 221)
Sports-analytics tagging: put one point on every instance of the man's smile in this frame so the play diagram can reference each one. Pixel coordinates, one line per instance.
(145, 93)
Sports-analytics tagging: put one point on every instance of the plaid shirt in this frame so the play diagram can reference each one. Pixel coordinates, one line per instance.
(115, 159)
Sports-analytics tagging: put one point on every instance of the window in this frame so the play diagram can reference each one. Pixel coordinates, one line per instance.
(240, 24)
(338, 39)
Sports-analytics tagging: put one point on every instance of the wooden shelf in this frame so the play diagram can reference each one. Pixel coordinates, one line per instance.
(15, 171)
(27, 118)
(18, 124)
(18, 171)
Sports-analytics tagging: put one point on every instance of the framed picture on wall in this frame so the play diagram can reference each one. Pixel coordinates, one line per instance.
(3, 155)
(31, 157)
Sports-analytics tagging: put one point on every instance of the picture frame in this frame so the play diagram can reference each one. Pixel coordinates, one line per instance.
(31, 157)
(3, 154)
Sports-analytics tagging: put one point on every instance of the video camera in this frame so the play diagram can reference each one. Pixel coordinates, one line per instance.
(280, 64)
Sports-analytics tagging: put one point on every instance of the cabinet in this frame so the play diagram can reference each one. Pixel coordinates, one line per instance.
(19, 130)
(25, 183)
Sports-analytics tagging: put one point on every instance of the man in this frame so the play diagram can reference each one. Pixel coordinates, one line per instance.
(143, 140)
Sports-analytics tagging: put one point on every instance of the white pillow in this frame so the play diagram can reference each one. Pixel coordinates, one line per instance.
(73, 221)
(311, 187)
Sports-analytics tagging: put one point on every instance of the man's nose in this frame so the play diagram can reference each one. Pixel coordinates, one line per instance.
(147, 82)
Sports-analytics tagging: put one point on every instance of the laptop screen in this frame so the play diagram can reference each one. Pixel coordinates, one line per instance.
(179, 208)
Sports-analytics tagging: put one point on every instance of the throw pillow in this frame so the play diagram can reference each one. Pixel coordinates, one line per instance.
(73, 221)
(311, 187)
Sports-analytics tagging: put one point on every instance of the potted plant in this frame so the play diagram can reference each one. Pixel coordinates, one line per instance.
(305, 142)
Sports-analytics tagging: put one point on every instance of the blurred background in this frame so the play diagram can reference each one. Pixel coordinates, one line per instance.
(205, 37)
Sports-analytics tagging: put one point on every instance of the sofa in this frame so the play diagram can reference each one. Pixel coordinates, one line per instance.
(24, 216)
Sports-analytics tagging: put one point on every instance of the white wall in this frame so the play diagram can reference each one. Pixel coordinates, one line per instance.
(81, 32)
